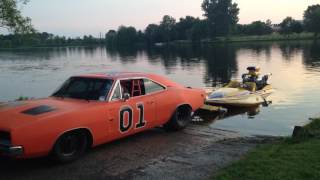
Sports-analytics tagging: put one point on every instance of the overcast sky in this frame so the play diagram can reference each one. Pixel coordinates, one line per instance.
(79, 17)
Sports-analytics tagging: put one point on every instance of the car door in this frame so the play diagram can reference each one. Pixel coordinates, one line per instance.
(164, 98)
(132, 115)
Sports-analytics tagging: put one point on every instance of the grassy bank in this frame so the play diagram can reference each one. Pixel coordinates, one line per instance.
(260, 38)
(271, 37)
(292, 158)
(217, 40)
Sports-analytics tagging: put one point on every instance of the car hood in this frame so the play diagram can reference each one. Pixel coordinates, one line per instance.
(19, 113)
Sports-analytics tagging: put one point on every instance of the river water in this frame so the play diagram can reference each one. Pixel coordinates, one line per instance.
(295, 67)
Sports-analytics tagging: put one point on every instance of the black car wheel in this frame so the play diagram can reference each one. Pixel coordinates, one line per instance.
(180, 119)
(70, 146)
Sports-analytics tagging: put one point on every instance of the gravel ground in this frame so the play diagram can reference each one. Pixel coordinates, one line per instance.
(194, 153)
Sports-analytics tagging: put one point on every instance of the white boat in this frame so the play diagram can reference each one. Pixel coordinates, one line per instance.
(242, 94)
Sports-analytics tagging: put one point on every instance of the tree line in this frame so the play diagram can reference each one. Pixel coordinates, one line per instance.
(45, 39)
(220, 20)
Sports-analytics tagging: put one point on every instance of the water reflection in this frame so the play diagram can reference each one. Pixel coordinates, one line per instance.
(221, 64)
(219, 61)
(39, 54)
(124, 53)
(207, 117)
(311, 55)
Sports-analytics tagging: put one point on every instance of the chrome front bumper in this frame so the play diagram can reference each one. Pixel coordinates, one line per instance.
(7, 150)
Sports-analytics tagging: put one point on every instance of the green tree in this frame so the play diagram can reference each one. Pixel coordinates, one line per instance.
(222, 16)
(87, 40)
(152, 34)
(126, 35)
(199, 31)
(312, 19)
(289, 25)
(286, 25)
(297, 27)
(256, 28)
(12, 19)
(184, 27)
(111, 37)
(167, 27)
(140, 37)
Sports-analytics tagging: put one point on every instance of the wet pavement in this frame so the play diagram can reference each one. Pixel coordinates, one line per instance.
(194, 153)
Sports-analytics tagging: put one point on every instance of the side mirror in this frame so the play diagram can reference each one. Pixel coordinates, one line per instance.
(126, 96)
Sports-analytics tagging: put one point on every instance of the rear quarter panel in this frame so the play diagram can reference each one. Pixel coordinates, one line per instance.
(194, 97)
(169, 100)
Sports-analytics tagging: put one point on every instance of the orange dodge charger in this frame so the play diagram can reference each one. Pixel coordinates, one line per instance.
(89, 110)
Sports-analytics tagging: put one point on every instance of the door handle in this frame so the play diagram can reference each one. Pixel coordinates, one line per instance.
(150, 102)
(110, 116)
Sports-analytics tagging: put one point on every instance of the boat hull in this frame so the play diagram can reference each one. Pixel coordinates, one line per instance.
(248, 100)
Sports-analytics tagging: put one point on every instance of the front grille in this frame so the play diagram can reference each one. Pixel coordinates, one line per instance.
(5, 138)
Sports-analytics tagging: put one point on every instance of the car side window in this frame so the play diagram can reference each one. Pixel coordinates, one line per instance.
(117, 93)
(151, 87)
(134, 87)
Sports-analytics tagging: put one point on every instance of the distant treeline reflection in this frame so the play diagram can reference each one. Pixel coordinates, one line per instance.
(220, 61)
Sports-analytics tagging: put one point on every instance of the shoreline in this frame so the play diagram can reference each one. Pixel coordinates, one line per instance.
(260, 38)
(200, 149)
(218, 40)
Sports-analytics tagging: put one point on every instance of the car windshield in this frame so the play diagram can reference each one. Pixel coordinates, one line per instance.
(85, 88)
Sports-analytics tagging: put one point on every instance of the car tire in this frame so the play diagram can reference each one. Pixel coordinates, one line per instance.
(70, 146)
(180, 119)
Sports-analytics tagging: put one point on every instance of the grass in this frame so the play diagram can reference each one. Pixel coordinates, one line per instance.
(270, 37)
(289, 159)
(257, 38)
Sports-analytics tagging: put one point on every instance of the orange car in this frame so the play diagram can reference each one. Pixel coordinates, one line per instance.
(93, 109)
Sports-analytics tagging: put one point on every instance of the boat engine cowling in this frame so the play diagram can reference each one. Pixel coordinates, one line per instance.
(228, 92)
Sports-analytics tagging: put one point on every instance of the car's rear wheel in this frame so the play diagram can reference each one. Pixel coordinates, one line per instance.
(180, 119)
(70, 146)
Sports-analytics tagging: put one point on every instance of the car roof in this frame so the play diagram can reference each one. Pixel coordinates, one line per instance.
(113, 75)
(127, 75)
